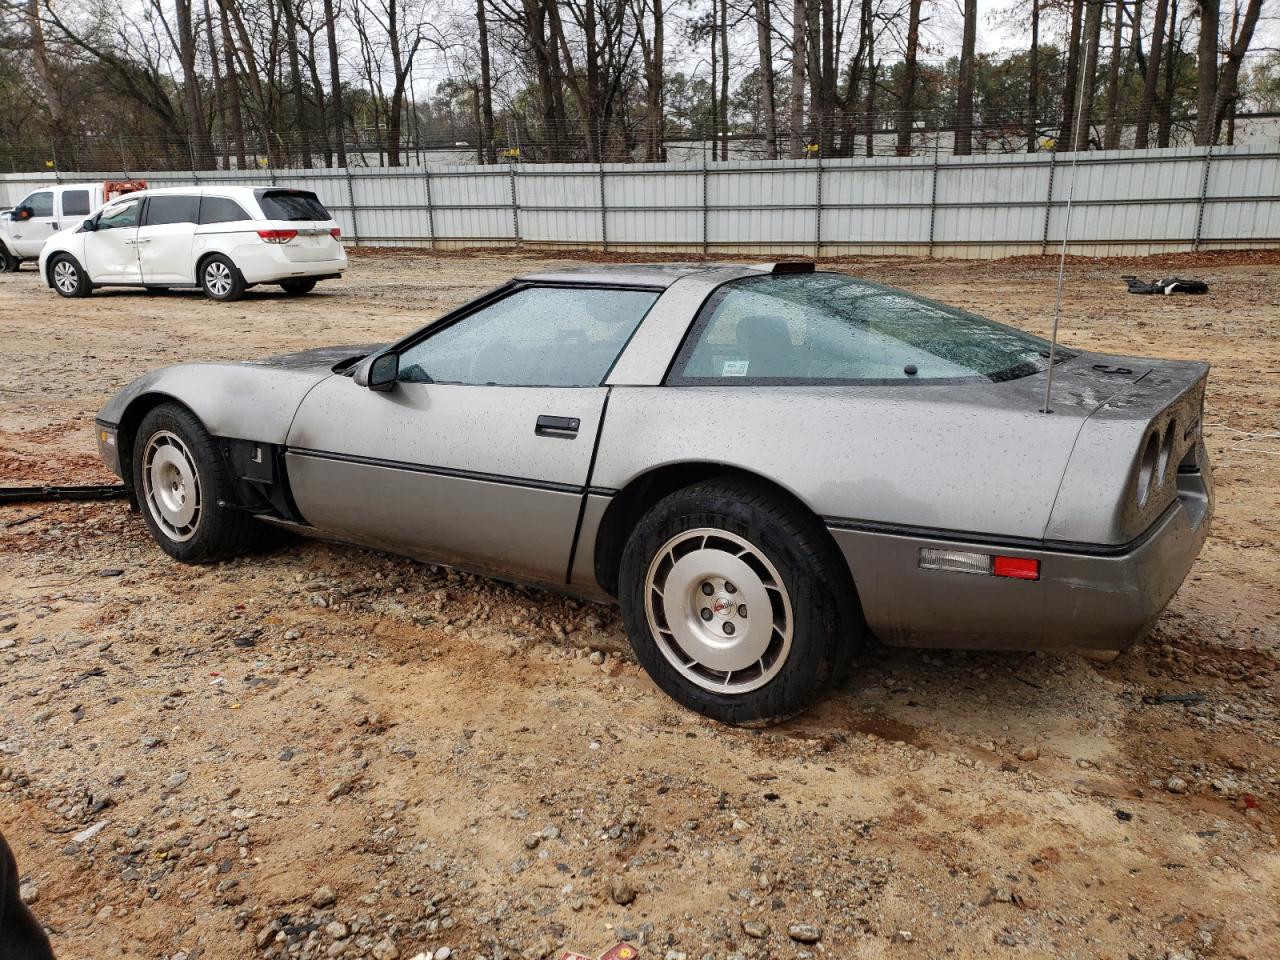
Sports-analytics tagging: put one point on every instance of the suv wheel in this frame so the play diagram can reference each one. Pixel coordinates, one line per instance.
(220, 279)
(68, 278)
(736, 603)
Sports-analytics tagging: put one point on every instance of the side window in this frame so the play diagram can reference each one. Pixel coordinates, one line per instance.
(41, 203)
(122, 214)
(537, 336)
(221, 210)
(168, 208)
(75, 203)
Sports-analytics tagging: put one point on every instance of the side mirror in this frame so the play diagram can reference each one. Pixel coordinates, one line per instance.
(90, 225)
(380, 373)
(22, 213)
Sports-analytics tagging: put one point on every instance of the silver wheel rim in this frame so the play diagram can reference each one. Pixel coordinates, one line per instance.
(64, 276)
(217, 278)
(171, 486)
(718, 610)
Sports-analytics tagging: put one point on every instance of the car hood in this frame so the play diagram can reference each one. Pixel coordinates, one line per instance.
(326, 358)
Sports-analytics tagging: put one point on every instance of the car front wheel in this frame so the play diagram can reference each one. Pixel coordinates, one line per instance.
(736, 604)
(220, 279)
(8, 262)
(185, 490)
(68, 277)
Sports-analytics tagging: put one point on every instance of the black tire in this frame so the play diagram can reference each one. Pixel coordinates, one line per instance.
(220, 279)
(825, 621)
(215, 531)
(297, 288)
(8, 262)
(69, 278)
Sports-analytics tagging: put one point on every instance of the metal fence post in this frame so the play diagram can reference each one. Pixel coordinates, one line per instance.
(705, 239)
(351, 203)
(1204, 192)
(431, 215)
(515, 206)
(604, 218)
(817, 213)
(933, 199)
(1048, 202)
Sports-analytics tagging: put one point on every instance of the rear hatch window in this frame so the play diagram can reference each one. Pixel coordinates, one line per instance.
(292, 205)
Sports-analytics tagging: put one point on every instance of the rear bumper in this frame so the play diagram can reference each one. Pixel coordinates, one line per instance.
(1087, 597)
(268, 263)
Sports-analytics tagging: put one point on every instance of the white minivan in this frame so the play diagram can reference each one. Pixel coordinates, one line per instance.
(46, 210)
(220, 239)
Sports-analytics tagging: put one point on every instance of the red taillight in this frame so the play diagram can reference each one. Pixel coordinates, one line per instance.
(1018, 568)
(277, 236)
(335, 232)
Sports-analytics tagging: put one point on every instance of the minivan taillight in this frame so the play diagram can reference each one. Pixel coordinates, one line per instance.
(277, 236)
(335, 232)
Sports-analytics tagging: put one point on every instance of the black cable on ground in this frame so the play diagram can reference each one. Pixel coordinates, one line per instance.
(109, 491)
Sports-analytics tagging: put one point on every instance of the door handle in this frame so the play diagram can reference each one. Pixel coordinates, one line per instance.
(563, 427)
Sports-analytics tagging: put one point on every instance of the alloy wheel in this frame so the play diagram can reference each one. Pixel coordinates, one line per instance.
(217, 278)
(65, 277)
(171, 485)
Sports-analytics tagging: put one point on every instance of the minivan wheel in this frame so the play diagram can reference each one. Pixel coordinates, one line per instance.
(297, 288)
(185, 489)
(220, 279)
(68, 278)
(736, 604)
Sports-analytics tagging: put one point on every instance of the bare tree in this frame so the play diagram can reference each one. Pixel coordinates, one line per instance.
(1089, 71)
(1229, 83)
(1033, 80)
(964, 93)
(799, 54)
(1207, 71)
(764, 40)
(906, 117)
(1151, 77)
(1111, 136)
(335, 83)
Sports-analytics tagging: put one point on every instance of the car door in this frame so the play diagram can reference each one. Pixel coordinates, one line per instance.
(480, 454)
(34, 221)
(165, 238)
(111, 247)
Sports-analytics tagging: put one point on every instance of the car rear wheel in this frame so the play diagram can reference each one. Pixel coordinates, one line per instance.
(735, 603)
(220, 279)
(8, 262)
(68, 278)
(296, 288)
(184, 489)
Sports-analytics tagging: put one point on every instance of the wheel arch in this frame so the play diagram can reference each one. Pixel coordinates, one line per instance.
(54, 257)
(640, 494)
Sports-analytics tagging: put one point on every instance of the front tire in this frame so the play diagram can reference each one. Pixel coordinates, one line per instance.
(736, 603)
(69, 278)
(181, 483)
(220, 279)
(297, 288)
(8, 262)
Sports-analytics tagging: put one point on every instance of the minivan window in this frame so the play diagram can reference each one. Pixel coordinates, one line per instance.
(827, 328)
(41, 203)
(166, 208)
(122, 214)
(221, 210)
(292, 205)
(75, 203)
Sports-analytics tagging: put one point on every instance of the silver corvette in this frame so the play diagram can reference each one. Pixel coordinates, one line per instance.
(762, 465)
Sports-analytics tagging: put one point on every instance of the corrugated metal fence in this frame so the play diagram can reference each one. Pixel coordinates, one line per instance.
(1125, 202)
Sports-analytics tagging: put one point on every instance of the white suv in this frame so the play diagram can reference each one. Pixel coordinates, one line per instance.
(221, 239)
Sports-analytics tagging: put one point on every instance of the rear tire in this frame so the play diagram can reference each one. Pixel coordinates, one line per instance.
(220, 279)
(181, 482)
(69, 278)
(776, 630)
(8, 262)
(297, 288)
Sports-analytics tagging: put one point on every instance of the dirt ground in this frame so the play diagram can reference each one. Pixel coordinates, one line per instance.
(327, 752)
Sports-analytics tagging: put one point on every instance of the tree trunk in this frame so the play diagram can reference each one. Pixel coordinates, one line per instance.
(799, 54)
(906, 119)
(1229, 83)
(724, 79)
(1164, 123)
(871, 103)
(1033, 81)
(1111, 138)
(827, 130)
(764, 37)
(1206, 71)
(197, 128)
(488, 152)
(1066, 130)
(335, 84)
(964, 94)
(1151, 77)
(219, 94)
(1092, 43)
(295, 81)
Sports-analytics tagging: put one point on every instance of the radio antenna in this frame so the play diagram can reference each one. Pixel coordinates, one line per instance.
(1066, 230)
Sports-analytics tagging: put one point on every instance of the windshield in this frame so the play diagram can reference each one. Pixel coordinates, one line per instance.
(292, 205)
(831, 328)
